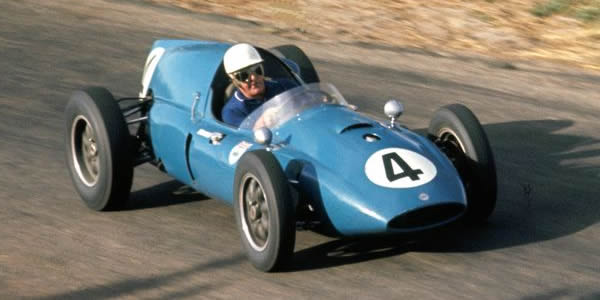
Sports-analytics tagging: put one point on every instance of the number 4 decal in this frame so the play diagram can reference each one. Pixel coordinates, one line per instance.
(399, 168)
(407, 171)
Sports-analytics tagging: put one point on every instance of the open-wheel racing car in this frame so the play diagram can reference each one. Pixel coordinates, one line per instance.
(313, 161)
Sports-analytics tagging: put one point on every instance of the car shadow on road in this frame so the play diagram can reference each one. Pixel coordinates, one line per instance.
(547, 189)
(345, 251)
(167, 193)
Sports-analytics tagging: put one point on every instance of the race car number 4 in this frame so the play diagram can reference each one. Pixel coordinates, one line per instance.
(399, 168)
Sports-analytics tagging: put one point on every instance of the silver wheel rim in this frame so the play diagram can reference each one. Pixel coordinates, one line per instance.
(84, 151)
(447, 134)
(254, 212)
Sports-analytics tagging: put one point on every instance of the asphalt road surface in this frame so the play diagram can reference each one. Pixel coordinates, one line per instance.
(542, 242)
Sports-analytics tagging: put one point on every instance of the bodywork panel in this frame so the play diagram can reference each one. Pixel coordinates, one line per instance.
(181, 88)
(334, 174)
(324, 151)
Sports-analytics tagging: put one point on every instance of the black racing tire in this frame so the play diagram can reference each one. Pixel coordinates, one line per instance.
(457, 131)
(308, 73)
(264, 211)
(98, 149)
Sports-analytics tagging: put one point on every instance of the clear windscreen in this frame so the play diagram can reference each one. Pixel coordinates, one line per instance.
(291, 103)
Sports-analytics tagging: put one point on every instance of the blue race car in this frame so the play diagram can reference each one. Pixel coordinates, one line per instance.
(304, 158)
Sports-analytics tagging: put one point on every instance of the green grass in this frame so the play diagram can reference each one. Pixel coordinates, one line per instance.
(588, 13)
(583, 10)
(550, 7)
(482, 16)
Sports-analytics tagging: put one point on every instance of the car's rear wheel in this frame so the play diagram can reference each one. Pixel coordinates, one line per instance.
(458, 133)
(264, 211)
(98, 148)
(308, 73)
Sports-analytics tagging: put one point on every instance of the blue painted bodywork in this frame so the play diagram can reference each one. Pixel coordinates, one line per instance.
(327, 160)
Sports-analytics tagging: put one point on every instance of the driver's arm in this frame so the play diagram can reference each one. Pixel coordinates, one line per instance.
(232, 116)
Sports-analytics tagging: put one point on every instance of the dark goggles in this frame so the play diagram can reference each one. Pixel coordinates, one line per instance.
(244, 74)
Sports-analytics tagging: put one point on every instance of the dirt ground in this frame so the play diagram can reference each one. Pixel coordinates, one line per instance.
(501, 29)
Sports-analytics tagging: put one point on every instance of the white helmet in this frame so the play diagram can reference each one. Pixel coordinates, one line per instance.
(240, 56)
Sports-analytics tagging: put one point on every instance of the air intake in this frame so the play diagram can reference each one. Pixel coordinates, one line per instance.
(356, 126)
(427, 216)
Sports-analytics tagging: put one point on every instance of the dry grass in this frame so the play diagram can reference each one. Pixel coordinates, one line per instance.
(559, 30)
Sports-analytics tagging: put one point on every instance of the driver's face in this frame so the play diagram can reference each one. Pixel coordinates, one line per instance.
(254, 87)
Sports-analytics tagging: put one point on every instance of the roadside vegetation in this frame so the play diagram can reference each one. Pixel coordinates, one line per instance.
(564, 31)
(586, 11)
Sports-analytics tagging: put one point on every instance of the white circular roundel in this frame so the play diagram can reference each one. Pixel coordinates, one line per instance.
(399, 168)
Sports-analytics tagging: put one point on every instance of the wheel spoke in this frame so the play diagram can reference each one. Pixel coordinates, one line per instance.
(84, 144)
(261, 232)
(257, 192)
(86, 163)
(95, 166)
(88, 134)
(264, 221)
(248, 198)
(253, 226)
(264, 209)
(252, 190)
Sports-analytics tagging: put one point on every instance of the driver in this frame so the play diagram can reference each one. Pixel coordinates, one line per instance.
(243, 64)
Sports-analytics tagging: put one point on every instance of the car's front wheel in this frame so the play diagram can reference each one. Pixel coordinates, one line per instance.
(98, 148)
(264, 211)
(458, 133)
